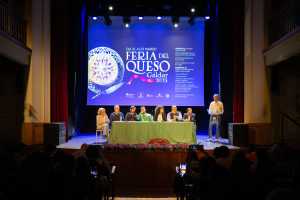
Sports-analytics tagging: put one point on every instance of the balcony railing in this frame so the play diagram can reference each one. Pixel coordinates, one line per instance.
(283, 18)
(10, 25)
(289, 128)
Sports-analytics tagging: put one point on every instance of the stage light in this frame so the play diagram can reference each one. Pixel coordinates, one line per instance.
(95, 18)
(193, 10)
(110, 8)
(126, 21)
(175, 21)
(140, 18)
(158, 17)
(207, 17)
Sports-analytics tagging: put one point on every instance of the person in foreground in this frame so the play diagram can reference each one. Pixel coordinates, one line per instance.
(160, 114)
(174, 115)
(131, 115)
(117, 115)
(102, 121)
(215, 111)
(189, 116)
(144, 116)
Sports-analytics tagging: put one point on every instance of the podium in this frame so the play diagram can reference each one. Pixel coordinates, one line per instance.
(44, 133)
(243, 134)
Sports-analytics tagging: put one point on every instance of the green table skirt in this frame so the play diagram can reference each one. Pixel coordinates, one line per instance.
(143, 132)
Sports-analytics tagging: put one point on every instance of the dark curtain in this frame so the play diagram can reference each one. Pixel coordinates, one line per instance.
(68, 41)
(211, 62)
(238, 63)
(59, 61)
(232, 52)
(213, 50)
(78, 68)
(232, 60)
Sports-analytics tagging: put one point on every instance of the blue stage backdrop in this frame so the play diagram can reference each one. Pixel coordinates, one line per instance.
(149, 63)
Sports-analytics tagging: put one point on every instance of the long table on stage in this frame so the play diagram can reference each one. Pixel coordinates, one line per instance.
(142, 132)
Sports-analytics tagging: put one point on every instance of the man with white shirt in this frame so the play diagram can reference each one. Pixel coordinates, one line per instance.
(174, 115)
(215, 111)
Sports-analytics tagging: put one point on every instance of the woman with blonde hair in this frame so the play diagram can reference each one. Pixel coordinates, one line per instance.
(102, 122)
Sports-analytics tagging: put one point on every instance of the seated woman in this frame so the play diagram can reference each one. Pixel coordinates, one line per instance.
(160, 114)
(144, 116)
(102, 121)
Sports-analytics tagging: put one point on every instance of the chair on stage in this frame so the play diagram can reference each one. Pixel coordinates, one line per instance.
(102, 130)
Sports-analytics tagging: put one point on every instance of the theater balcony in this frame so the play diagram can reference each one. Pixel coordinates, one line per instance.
(15, 60)
(13, 28)
(282, 59)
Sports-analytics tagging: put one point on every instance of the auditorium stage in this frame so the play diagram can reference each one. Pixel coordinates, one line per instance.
(89, 138)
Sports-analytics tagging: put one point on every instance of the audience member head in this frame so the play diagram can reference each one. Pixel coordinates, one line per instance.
(207, 164)
(84, 147)
(216, 152)
(192, 155)
(224, 151)
(92, 152)
(240, 164)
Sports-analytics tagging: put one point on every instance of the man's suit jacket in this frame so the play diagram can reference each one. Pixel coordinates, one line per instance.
(192, 118)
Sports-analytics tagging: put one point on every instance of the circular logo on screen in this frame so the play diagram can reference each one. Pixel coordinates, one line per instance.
(105, 68)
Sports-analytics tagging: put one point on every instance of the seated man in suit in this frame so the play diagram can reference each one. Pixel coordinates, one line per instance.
(189, 115)
(174, 115)
(131, 115)
(117, 115)
(144, 116)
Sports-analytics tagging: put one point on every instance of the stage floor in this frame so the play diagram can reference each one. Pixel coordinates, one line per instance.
(90, 138)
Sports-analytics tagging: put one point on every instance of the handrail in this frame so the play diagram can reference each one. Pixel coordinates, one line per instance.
(290, 118)
(282, 117)
(12, 26)
(282, 19)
